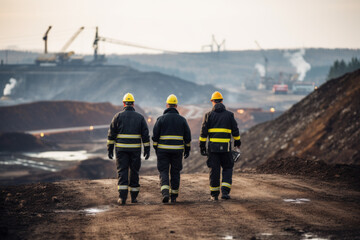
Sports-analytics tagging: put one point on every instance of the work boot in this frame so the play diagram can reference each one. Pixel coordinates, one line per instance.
(165, 199)
(225, 196)
(121, 201)
(173, 198)
(134, 196)
(214, 198)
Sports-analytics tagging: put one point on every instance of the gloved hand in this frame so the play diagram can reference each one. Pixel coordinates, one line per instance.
(187, 152)
(110, 151)
(237, 143)
(203, 148)
(155, 147)
(147, 152)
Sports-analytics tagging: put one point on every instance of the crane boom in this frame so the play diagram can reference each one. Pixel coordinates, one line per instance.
(45, 39)
(71, 40)
(120, 42)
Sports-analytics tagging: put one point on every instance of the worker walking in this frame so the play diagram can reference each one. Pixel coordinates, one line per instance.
(218, 125)
(171, 137)
(127, 130)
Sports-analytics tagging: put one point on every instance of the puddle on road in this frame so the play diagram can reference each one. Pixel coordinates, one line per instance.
(311, 236)
(86, 211)
(266, 234)
(297, 200)
(228, 237)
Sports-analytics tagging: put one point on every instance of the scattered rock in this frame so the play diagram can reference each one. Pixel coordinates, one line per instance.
(55, 199)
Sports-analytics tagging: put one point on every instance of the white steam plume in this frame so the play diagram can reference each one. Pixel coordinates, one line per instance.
(9, 86)
(299, 63)
(261, 69)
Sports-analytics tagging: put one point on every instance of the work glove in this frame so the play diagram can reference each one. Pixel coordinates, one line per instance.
(110, 151)
(203, 148)
(187, 152)
(147, 152)
(237, 143)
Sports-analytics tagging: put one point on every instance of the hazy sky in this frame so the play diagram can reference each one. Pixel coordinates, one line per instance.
(181, 25)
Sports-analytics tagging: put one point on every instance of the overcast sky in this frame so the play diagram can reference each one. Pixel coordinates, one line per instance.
(181, 25)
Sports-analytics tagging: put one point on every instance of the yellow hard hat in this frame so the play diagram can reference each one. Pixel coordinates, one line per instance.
(216, 95)
(172, 99)
(128, 98)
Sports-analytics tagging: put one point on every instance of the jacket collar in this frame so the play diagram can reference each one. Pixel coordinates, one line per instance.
(219, 107)
(171, 110)
(129, 108)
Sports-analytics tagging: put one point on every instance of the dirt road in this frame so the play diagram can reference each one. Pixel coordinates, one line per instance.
(262, 207)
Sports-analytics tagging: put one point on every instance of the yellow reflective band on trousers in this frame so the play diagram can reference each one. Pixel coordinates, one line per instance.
(135, 136)
(188, 144)
(213, 189)
(175, 147)
(147, 144)
(221, 140)
(171, 137)
(165, 187)
(125, 145)
(122, 187)
(173, 191)
(225, 184)
(219, 130)
(202, 139)
(110, 141)
(134, 189)
(237, 138)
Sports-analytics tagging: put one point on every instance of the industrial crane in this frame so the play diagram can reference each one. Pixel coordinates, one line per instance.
(265, 58)
(119, 42)
(63, 55)
(45, 39)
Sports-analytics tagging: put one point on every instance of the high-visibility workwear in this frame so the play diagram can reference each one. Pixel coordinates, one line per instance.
(128, 97)
(172, 99)
(171, 132)
(216, 96)
(171, 137)
(217, 128)
(128, 131)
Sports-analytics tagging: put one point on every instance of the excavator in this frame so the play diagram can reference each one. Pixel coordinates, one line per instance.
(61, 57)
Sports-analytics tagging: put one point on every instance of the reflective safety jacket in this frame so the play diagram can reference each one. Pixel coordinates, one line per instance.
(171, 132)
(127, 129)
(218, 125)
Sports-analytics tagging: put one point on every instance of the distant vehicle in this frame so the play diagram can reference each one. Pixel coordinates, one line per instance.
(280, 89)
(303, 88)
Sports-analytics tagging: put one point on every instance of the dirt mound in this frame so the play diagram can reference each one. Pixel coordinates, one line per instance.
(325, 125)
(95, 168)
(56, 114)
(306, 167)
(21, 142)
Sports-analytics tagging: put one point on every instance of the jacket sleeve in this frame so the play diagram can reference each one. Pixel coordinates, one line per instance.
(156, 132)
(112, 133)
(145, 133)
(234, 128)
(187, 134)
(204, 129)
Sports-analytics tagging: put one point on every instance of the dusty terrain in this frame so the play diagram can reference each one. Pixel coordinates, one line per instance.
(325, 126)
(262, 207)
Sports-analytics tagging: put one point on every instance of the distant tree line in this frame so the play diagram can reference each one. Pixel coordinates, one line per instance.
(339, 68)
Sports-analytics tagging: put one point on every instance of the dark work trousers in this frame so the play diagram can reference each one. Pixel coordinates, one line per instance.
(215, 162)
(167, 161)
(126, 161)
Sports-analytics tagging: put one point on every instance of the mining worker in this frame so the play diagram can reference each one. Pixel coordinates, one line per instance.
(127, 130)
(171, 139)
(219, 124)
